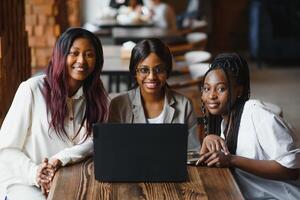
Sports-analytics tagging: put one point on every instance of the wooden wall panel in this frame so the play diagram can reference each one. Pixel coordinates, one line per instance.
(229, 25)
(14, 51)
(43, 26)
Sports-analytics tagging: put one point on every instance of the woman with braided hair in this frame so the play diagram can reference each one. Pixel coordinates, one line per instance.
(249, 136)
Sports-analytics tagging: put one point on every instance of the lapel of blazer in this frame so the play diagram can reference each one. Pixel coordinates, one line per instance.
(170, 111)
(138, 115)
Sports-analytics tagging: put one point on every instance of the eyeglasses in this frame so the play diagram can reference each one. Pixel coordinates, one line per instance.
(145, 71)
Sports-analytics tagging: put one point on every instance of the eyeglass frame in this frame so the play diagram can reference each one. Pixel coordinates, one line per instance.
(153, 70)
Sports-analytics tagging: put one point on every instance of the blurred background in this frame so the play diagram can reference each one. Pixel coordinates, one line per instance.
(266, 32)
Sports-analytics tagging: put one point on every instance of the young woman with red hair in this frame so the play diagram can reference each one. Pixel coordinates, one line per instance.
(49, 123)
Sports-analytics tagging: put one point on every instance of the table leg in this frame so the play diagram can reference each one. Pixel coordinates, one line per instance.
(129, 83)
(118, 82)
(110, 81)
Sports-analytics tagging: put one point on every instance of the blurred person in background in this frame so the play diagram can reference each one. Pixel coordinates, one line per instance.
(163, 15)
(130, 3)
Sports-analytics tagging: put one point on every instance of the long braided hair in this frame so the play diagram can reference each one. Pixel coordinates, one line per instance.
(236, 71)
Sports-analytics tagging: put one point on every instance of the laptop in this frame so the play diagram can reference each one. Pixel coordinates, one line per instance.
(140, 152)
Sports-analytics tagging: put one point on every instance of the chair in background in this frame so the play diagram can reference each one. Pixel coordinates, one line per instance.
(193, 41)
(191, 87)
(193, 63)
(193, 57)
(197, 38)
(198, 70)
(190, 52)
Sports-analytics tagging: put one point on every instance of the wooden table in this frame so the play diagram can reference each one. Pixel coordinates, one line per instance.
(111, 23)
(78, 182)
(106, 26)
(112, 59)
(115, 67)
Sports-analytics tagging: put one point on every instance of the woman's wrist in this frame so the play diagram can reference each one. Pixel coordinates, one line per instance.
(232, 160)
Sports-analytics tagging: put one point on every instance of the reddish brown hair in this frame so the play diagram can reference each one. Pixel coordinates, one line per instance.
(56, 86)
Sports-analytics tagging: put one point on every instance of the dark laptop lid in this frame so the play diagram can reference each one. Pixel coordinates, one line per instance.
(140, 152)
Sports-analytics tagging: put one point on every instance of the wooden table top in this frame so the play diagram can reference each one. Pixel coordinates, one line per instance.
(111, 23)
(113, 61)
(78, 182)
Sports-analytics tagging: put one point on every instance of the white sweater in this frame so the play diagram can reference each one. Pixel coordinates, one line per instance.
(25, 137)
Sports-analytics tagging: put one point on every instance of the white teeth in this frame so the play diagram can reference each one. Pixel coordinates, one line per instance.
(80, 69)
(212, 105)
(151, 85)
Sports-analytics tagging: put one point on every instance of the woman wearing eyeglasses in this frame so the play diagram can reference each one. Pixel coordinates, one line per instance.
(152, 101)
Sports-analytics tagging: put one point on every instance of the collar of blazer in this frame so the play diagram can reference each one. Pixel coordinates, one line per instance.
(138, 110)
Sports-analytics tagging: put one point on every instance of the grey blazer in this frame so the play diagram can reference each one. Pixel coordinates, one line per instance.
(128, 108)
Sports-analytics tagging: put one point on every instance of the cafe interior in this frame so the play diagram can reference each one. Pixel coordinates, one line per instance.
(195, 31)
(265, 32)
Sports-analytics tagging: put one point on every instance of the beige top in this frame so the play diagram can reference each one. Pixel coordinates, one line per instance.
(128, 108)
(25, 138)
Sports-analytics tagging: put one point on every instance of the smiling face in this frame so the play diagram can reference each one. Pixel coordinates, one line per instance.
(215, 92)
(151, 75)
(80, 63)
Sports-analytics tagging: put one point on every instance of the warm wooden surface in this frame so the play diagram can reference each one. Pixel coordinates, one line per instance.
(14, 51)
(77, 182)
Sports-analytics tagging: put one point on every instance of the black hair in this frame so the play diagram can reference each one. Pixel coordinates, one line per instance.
(142, 51)
(236, 71)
